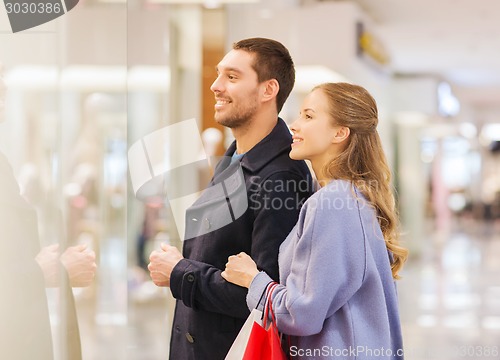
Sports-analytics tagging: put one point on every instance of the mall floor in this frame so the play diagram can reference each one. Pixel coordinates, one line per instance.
(449, 302)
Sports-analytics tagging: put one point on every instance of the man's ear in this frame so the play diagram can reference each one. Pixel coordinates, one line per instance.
(341, 134)
(270, 90)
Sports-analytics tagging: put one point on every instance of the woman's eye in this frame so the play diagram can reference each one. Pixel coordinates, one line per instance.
(308, 117)
(231, 77)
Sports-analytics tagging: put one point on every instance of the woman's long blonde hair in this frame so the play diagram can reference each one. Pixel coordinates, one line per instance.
(363, 161)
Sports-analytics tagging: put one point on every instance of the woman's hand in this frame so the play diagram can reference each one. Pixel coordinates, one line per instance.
(240, 270)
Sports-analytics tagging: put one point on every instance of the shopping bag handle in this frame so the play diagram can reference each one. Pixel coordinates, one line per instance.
(268, 306)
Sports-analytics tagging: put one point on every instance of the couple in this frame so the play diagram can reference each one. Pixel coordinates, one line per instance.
(340, 253)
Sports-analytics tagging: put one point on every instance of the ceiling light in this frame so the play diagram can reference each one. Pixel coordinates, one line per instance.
(32, 77)
(148, 78)
(94, 78)
(448, 104)
(467, 130)
(308, 76)
(491, 132)
(206, 3)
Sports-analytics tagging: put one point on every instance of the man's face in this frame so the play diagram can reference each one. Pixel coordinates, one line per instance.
(236, 89)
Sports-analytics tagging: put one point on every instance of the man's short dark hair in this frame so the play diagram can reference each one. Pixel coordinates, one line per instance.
(272, 61)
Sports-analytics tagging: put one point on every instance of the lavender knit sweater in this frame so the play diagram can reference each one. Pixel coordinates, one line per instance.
(337, 298)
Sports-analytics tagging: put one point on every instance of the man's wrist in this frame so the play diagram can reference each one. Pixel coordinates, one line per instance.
(176, 277)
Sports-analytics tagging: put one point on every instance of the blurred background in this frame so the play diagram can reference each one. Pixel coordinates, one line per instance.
(82, 89)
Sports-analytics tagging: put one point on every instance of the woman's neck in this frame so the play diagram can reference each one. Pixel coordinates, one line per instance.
(321, 178)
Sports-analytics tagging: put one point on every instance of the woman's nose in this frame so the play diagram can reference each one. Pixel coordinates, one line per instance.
(294, 126)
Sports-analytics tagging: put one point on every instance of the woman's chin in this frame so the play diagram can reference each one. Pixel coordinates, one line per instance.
(294, 156)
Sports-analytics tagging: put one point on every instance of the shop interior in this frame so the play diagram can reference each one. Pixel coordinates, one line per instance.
(83, 89)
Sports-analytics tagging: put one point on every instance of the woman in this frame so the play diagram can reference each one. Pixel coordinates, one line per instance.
(337, 296)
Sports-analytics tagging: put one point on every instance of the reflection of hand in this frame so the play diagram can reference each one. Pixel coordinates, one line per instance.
(240, 270)
(48, 260)
(162, 263)
(80, 265)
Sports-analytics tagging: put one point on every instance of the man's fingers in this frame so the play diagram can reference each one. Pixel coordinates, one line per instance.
(153, 255)
(82, 247)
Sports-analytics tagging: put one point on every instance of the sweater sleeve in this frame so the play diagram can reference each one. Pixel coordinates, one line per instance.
(327, 267)
(257, 288)
(199, 285)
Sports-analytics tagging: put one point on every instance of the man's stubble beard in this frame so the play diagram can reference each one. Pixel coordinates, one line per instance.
(239, 117)
(234, 122)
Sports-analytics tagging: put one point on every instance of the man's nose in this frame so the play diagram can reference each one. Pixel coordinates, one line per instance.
(216, 85)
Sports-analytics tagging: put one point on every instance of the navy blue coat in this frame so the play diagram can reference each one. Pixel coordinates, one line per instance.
(210, 311)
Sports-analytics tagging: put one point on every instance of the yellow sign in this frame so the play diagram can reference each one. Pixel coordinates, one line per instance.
(371, 46)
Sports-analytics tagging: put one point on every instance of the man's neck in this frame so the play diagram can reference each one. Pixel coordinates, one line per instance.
(249, 135)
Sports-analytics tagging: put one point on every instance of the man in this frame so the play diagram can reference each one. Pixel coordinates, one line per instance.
(254, 80)
(26, 270)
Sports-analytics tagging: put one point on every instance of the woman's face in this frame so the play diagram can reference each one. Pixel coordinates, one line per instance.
(313, 131)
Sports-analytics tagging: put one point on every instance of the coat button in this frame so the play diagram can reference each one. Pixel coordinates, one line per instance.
(190, 277)
(206, 224)
(189, 338)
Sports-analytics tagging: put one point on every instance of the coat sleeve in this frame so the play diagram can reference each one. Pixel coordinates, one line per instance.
(327, 267)
(24, 315)
(275, 208)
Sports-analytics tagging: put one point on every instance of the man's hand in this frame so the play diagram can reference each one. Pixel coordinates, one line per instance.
(48, 260)
(80, 265)
(162, 263)
(240, 270)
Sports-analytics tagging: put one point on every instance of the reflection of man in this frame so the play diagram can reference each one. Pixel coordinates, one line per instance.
(25, 271)
(2, 95)
(24, 319)
(254, 80)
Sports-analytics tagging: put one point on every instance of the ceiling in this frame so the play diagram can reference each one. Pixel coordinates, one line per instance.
(455, 40)
(458, 40)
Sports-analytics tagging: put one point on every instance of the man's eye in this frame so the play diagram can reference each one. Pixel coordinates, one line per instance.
(231, 77)
(308, 117)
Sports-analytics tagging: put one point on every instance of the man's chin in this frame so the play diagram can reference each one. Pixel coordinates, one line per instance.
(229, 123)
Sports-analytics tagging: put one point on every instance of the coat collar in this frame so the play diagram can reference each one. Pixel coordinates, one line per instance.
(274, 144)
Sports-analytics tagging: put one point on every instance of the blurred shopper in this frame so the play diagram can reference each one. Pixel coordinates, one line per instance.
(147, 233)
(337, 296)
(26, 270)
(254, 80)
